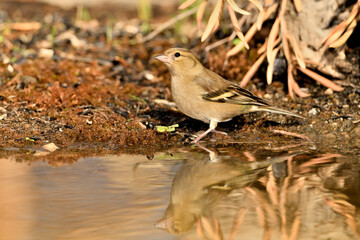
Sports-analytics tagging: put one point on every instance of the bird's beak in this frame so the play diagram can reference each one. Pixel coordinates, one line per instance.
(162, 58)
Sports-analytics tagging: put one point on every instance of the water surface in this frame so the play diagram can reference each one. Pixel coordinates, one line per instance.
(188, 194)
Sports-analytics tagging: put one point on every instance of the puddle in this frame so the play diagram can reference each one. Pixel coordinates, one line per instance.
(188, 194)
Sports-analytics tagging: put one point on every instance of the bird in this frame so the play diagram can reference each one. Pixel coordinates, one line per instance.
(206, 96)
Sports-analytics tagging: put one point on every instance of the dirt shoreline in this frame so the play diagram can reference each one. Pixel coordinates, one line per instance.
(85, 91)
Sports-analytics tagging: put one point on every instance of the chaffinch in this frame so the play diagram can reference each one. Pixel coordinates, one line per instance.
(204, 95)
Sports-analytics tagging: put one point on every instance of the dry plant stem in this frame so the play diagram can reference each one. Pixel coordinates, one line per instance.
(220, 42)
(339, 29)
(292, 84)
(199, 230)
(291, 80)
(234, 6)
(342, 40)
(270, 68)
(320, 160)
(167, 24)
(236, 26)
(324, 81)
(186, 4)
(292, 134)
(296, 49)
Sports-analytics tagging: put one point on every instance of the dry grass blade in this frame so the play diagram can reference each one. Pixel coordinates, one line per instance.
(187, 4)
(292, 134)
(257, 4)
(271, 62)
(268, 2)
(236, 26)
(324, 81)
(213, 232)
(339, 29)
(298, 5)
(262, 49)
(297, 51)
(167, 24)
(213, 20)
(325, 158)
(199, 230)
(251, 32)
(248, 76)
(342, 40)
(294, 232)
(237, 223)
(272, 37)
(283, 7)
(260, 20)
(236, 8)
(200, 12)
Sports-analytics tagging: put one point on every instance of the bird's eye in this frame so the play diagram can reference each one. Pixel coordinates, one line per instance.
(177, 54)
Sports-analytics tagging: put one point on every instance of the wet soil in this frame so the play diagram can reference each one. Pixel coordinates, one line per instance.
(82, 84)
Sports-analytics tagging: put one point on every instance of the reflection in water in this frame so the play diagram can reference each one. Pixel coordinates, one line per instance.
(223, 194)
(289, 196)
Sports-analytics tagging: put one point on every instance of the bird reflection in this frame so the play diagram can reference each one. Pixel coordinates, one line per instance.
(199, 185)
(225, 196)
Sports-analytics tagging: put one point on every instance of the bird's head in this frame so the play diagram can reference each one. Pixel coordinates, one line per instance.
(180, 61)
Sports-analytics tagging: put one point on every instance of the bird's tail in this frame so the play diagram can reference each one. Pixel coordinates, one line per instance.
(275, 110)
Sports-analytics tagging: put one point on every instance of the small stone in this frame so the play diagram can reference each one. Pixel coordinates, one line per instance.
(149, 76)
(313, 111)
(46, 53)
(329, 91)
(10, 68)
(267, 96)
(345, 106)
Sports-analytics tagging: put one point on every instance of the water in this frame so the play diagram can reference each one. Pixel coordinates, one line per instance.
(189, 194)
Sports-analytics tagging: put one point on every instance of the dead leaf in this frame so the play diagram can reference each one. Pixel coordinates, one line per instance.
(213, 20)
(297, 51)
(200, 12)
(257, 4)
(298, 5)
(187, 4)
(236, 8)
(51, 147)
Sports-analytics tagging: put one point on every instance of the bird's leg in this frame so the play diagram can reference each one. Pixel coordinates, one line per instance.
(212, 127)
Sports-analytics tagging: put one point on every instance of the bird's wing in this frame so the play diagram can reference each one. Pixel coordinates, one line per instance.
(220, 90)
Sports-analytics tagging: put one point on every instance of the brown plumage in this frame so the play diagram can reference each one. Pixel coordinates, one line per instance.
(204, 95)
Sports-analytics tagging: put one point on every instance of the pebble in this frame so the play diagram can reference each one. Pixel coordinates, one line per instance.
(149, 76)
(46, 53)
(313, 111)
(329, 91)
(330, 136)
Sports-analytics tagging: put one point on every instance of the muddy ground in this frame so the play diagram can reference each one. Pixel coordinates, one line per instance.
(66, 81)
